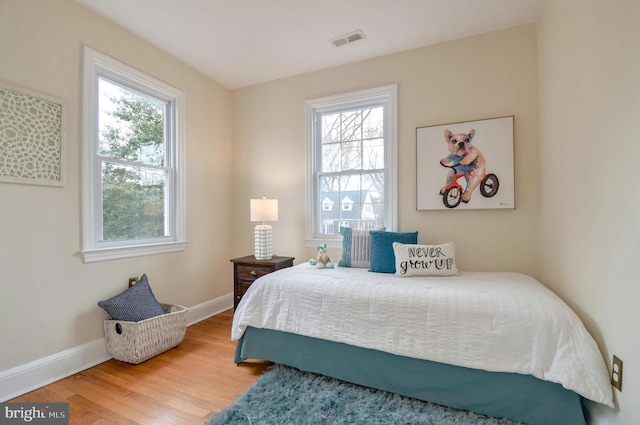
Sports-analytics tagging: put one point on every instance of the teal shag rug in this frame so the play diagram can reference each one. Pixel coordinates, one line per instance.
(287, 396)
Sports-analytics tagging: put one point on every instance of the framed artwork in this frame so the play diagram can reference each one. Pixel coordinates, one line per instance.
(31, 137)
(465, 165)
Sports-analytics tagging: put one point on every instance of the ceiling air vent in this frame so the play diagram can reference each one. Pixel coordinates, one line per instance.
(343, 40)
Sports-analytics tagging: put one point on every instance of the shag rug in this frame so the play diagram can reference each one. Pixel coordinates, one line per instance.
(287, 396)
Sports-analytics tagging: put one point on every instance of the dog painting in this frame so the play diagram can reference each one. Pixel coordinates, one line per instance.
(479, 159)
(468, 159)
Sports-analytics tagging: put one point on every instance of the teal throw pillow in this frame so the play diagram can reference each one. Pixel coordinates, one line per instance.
(383, 259)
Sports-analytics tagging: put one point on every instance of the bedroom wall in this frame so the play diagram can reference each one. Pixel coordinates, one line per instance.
(48, 294)
(590, 198)
(485, 76)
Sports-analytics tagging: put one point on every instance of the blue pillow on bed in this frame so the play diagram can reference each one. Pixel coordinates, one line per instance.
(383, 259)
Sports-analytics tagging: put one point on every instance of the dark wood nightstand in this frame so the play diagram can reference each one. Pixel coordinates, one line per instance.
(247, 269)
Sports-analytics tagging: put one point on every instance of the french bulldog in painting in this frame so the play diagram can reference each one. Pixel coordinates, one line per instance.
(467, 159)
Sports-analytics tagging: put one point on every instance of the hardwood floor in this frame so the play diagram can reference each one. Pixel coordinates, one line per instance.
(185, 385)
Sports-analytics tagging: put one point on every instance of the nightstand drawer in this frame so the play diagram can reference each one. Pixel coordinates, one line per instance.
(242, 289)
(247, 269)
(252, 272)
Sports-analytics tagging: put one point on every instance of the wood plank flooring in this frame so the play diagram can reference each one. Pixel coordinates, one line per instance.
(185, 385)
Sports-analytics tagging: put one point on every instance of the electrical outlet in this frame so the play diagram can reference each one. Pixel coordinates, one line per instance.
(616, 373)
(132, 281)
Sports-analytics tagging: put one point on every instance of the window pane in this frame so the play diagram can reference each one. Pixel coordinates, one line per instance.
(131, 124)
(350, 183)
(373, 122)
(351, 156)
(329, 208)
(132, 202)
(353, 200)
(330, 128)
(373, 204)
(352, 125)
(331, 158)
(373, 154)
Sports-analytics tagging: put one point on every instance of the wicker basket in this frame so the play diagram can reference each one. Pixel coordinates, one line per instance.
(135, 342)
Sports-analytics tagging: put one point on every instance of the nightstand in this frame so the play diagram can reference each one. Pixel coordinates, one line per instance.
(247, 269)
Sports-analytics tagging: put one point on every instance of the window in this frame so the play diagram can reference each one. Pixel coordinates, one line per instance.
(133, 171)
(352, 153)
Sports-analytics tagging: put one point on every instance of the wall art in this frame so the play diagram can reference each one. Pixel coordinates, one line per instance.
(465, 165)
(31, 137)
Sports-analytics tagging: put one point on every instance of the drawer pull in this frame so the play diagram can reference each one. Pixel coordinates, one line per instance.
(253, 273)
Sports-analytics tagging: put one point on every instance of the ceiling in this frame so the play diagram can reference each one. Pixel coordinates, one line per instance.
(244, 42)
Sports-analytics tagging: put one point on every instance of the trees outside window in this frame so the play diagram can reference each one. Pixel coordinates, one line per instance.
(133, 178)
(132, 150)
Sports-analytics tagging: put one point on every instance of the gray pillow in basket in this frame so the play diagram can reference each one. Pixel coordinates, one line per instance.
(135, 304)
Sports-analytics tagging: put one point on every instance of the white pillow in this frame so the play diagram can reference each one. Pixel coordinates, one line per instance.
(425, 260)
(356, 247)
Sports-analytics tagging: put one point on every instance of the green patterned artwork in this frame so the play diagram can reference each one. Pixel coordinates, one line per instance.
(31, 137)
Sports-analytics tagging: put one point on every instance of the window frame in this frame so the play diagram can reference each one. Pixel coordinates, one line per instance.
(93, 249)
(356, 99)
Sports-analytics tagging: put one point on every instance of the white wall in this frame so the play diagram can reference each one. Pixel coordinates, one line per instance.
(574, 227)
(486, 76)
(589, 71)
(48, 294)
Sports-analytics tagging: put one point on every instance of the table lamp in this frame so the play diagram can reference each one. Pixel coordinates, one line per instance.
(263, 210)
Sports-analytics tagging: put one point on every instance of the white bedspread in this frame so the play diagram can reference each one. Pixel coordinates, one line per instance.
(505, 322)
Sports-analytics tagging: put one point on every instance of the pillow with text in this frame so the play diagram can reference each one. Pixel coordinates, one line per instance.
(425, 260)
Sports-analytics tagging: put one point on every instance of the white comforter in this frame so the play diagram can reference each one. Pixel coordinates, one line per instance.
(505, 322)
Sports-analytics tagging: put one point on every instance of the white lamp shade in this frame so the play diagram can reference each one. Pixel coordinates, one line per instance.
(264, 210)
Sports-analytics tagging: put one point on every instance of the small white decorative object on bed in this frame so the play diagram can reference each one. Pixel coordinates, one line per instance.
(264, 210)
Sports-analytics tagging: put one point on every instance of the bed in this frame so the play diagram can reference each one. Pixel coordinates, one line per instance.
(501, 344)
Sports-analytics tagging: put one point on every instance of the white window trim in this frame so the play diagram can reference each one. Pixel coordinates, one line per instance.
(95, 64)
(390, 93)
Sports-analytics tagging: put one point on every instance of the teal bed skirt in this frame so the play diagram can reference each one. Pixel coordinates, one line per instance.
(514, 396)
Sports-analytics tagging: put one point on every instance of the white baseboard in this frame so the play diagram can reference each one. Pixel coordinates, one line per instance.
(202, 311)
(30, 376)
(38, 373)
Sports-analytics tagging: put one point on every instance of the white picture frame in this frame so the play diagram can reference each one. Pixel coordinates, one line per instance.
(32, 136)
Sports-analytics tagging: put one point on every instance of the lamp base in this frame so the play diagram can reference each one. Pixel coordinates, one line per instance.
(263, 246)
